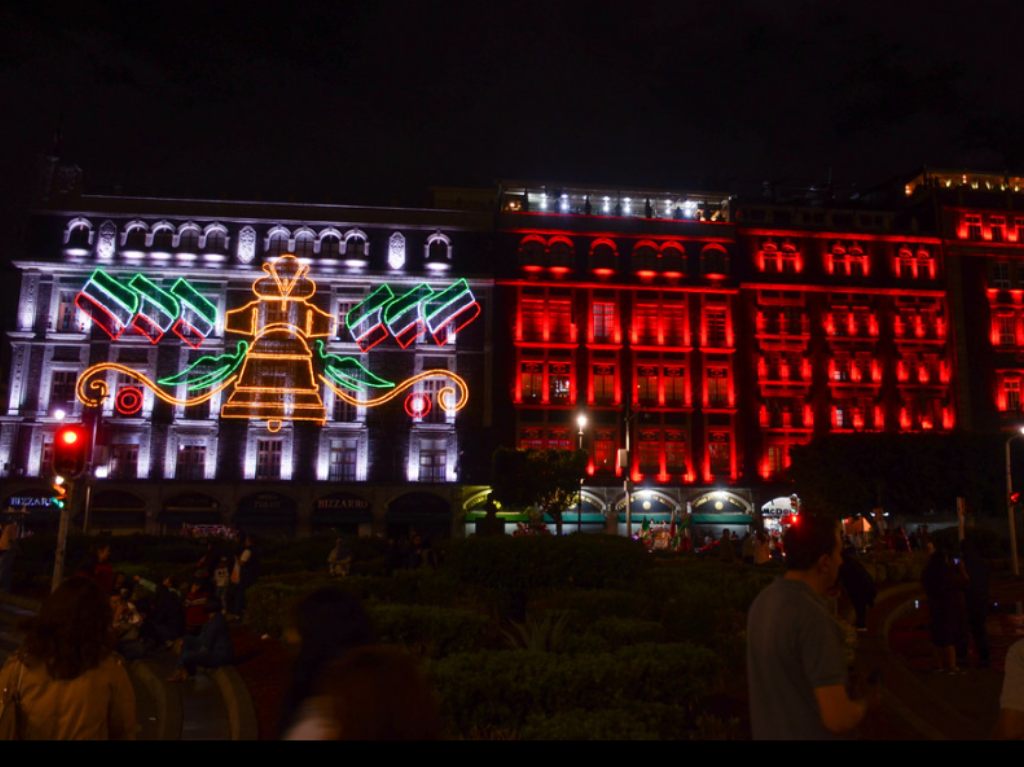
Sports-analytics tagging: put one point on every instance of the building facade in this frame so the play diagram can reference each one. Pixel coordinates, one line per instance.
(277, 366)
(309, 367)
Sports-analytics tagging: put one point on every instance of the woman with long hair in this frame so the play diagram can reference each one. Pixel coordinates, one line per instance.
(325, 625)
(70, 683)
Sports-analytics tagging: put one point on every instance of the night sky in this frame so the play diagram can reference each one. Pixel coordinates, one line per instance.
(374, 102)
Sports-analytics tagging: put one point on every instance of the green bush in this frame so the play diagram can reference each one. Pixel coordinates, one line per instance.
(585, 561)
(650, 721)
(507, 691)
(620, 632)
(432, 631)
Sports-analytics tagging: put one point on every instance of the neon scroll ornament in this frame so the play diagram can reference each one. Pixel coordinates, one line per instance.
(275, 376)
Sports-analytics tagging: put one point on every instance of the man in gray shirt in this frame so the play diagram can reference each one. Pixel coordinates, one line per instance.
(796, 671)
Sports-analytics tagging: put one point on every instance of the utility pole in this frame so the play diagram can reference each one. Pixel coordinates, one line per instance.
(62, 534)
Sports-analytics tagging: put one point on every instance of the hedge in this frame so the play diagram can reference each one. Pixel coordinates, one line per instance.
(508, 691)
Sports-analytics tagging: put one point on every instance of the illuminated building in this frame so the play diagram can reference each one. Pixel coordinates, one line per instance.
(291, 367)
(980, 218)
(317, 366)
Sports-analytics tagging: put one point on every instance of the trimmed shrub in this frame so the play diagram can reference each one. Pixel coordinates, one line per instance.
(432, 631)
(504, 691)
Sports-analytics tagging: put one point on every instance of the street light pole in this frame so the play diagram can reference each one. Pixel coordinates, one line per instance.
(581, 422)
(1009, 502)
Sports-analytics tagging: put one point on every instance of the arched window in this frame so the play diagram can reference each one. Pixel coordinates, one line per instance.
(188, 238)
(162, 237)
(673, 260)
(304, 241)
(439, 252)
(645, 257)
(355, 247)
(330, 244)
(134, 237)
(532, 252)
(561, 251)
(215, 238)
(714, 261)
(78, 233)
(277, 241)
(603, 257)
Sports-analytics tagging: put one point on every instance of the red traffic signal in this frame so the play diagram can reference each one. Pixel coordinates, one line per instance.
(70, 451)
(1015, 497)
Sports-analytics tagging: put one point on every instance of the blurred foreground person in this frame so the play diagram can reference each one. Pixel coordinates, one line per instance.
(325, 625)
(71, 684)
(796, 668)
(1010, 725)
(379, 693)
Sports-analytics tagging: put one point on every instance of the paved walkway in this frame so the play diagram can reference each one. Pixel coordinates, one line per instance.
(917, 701)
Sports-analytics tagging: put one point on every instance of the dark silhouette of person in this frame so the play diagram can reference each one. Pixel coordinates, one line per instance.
(978, 576)
(858, 585)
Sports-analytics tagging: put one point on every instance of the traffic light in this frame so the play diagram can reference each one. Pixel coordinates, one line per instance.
(70, 451)
(60, 492)
(1015, 497)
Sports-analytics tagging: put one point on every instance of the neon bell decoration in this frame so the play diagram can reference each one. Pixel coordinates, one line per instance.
(273, 374)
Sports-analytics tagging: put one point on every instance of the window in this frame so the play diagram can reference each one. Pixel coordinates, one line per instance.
(188, 240)
(62, 388)
(604, 321)
(604, 450)
(1006, 329)
(559, 382)
(531, 379)
(124, 461)
(604, 384)
(278, 244)
(1011, 395)
(675, 452)
(674, 318)
(268, 459)
(345, 412)
(216, 240)
(135, 238)
(647, 385)
(715, 261)
(971, 228)
(355, 247)
(848, 262)
(191, 462)
(304, 245)
(1000, 274)
(560, 318)
(560, 439)
(645, 324)
(342, 463)
(531, 318)
(531, 439)
(675, 386)
(649, 452)
(719, 452)
(433, 460)
(46, 460)
(330, 246)
(717, 386)
(715, 327)
(163, 239)
(431, 387)
(68, 318)
(997, 227)
(776, 459)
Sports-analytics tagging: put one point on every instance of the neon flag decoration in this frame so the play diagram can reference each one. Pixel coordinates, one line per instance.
(408, 316)
(145, 306)
(275, 375)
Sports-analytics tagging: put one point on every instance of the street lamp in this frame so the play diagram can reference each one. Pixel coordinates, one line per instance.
(581, 422)
(1010, 504)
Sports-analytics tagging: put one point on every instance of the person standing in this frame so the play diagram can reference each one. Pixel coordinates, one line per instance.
(8, 549)
(796, 667)
(72, 686)
(858, 585)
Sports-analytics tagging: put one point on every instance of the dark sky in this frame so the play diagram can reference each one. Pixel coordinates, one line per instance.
(375, 101)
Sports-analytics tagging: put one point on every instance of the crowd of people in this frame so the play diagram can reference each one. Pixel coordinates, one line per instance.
(187, 615)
